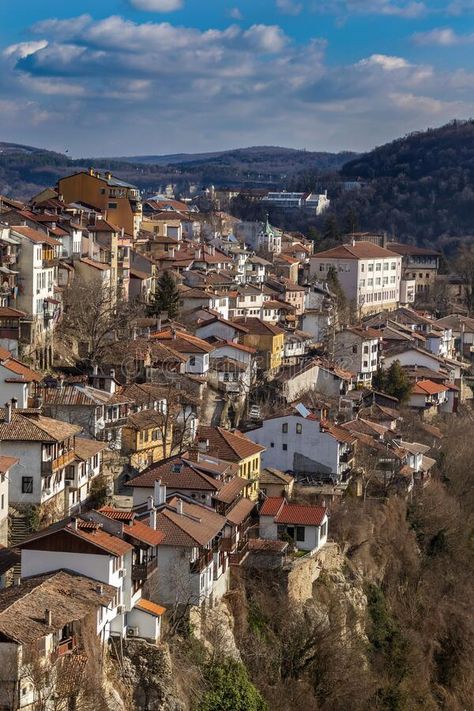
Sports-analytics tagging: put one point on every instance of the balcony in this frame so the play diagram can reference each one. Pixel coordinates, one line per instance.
(49, 262)
(52, 465)
(65, 646)
(204, 560)
(142, 571)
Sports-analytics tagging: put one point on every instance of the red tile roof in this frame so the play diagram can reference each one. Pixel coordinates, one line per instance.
(272, 505)
(427, 387)
(359, 250)
(301, 515)
(231, 446)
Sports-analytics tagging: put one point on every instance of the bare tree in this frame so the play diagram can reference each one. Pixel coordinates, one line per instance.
(93, 319)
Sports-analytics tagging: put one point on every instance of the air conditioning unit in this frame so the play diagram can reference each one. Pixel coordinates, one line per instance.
(120, 609)
(132, 631)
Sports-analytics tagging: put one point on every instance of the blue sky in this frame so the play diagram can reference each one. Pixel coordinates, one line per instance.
(116, 77)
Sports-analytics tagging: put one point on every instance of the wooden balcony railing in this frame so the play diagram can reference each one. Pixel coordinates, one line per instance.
(52, 465)
(142, 571)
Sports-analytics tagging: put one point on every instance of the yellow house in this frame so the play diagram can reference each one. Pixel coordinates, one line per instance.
(234, 447)
(267, 339)
(147, 437)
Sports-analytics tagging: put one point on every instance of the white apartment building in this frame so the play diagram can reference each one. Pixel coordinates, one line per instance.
(38, 267)
(358, 349)
(369, 275)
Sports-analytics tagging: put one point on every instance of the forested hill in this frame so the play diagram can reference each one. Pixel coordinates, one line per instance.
(25, 170)
(420, 188)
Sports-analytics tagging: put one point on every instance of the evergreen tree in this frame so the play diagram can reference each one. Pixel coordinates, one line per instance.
(334, 285)
(166, 297)
(394, 382)
(331, 229)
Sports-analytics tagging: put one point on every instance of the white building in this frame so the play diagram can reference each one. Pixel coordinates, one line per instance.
(6, 464)
(38, 266)
(357, 349)
(260, 236)
(369, 275)
(302, 444)
(307, 526)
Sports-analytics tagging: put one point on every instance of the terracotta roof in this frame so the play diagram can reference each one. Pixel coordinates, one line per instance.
(7, 463)
(97, 265)
(183, 342)
(427, 387)
(237, 346)
(301, 515)
(151, 607)
(117, 514)
(196, 525)
(35, 428)
(75, 394)
(145, 419)
(231, 489)
(410, 249)
(68, 596)
(86, 448)
(371, 333)
(240, 511)
(269, 475)
(358, 250)
(176, 473)
(28, 375)
(258, 327)
(144, 533)
(272, 505)
(90, 532)
(35, 235)
(8, 312)
(231, 446)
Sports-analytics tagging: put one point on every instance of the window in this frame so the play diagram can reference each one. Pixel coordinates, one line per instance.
(362, 282)
(192, 360)
(3, 501)
(362, 267)
(365, 364)
(392, 280)
(27, 485)
(112, 206)
(300, 533)
(272, 444)
(371, 267)
(284, 447)
(299, 428)
(393, 265)
(378, 267)
(378, 281)
(370, 282)
(284, 427)
(354, 348)
(366, 349)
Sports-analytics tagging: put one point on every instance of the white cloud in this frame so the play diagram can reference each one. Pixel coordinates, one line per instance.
(385, 62)
(289, 7)
(442, 37)
(215, 88)
(408, 9)
(24, 49)
(64, 29)
(157, 5)
(267, 38)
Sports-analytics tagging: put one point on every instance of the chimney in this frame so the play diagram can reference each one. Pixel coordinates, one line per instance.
(179, 507)
(8, 413)
(74, 523)
(95, 370)
(100, 589)
(91, 171)
(48, 617)
(159, 494)
(203, 445)
(14, 403)
(112, 373)
(153, 518)
(149, 502)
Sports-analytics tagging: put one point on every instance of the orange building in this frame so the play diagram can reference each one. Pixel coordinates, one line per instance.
(119, 202)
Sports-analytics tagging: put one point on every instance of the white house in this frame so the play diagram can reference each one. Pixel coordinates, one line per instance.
(195, 349)
(307, 526)
(301, 443)
(38, 266)
(6, 464)
(357, 349)
(44, 448)
(369, 275)
(86, 467)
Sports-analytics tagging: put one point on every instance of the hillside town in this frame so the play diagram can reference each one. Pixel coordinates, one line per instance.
(184, 396)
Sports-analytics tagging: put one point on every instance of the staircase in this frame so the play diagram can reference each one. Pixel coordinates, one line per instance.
(18, 530)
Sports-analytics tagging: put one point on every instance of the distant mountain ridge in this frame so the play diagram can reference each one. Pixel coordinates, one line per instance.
(24, 170)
